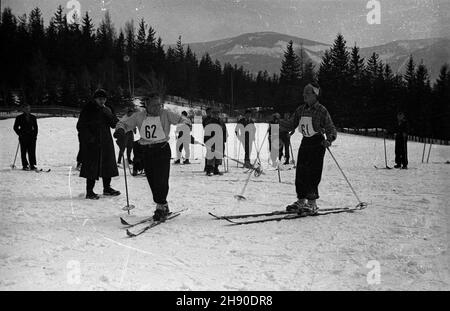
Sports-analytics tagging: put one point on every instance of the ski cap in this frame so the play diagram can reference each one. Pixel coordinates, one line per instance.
(100, 93)
(315, 88)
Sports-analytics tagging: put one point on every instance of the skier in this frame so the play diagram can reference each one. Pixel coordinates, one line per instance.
(154, 128)
(129, 139)
(401, 141)
(26, 128)
(212, 163)
(285, 140)
(204, 122)
(180, 145)
(98, 156)
(245, 131)
(275, 120)
(313, 121)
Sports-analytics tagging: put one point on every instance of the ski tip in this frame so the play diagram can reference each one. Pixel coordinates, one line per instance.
(124, 222)
(130, 234)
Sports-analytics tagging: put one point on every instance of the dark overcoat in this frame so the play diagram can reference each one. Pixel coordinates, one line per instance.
(98, 156)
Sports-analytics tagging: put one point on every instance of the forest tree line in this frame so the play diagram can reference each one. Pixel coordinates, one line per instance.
(63, 63)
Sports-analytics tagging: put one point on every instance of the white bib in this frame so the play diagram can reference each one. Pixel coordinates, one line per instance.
(306, 127)
(151, 130)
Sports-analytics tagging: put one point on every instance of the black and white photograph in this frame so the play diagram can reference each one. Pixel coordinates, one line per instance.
(226, 146)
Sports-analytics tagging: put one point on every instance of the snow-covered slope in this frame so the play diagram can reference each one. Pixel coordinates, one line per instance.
(52, 238)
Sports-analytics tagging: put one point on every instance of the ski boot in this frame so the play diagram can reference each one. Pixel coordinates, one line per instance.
(25, 168)
(111, 192)
(161, 212)
(397, 166)
(186, 161)
(177, 161)
(216, 171)
(92, 196)
(297, 206)
(312, 207)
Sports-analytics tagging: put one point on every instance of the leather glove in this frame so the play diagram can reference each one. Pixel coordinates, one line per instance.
(326, 143)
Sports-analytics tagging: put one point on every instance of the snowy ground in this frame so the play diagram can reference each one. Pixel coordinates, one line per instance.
(51, 238)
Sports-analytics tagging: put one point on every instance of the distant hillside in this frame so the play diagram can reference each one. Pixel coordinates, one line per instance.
(264, 51)
(258, 51)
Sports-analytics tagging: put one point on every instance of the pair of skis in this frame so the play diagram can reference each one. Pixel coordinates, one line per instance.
(283, 215)
(132, 231)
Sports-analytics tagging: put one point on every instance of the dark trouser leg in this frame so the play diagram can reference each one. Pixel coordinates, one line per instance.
(405, 153)
(23, 151)
(90, 184)
(32, 152)
(247, 147)
(286, 149)
(129, 149)
(309, 171)
(280, 152)
(119, 158)
(106, 183)
(157, 170)
(399, 151)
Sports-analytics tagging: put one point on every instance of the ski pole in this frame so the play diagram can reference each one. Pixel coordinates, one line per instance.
(239, 152)
(128, 207)
(241, 195)
(429, 151)
(13, 166)
(385, 152)
(423, 153)
(279, 174)
(360, 204)
(226, 144)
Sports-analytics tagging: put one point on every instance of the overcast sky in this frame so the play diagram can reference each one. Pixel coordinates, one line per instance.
(319, 20)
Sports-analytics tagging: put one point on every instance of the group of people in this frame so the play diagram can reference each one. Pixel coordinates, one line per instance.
(97, 156)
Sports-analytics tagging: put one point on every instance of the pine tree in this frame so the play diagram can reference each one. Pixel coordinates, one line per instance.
(356, 65)
(440, 112)
(289, 79)
(290, 66)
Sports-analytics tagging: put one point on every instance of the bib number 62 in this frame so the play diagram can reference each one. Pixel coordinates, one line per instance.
(148, 131)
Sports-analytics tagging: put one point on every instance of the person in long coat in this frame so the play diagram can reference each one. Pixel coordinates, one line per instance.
(98, 156)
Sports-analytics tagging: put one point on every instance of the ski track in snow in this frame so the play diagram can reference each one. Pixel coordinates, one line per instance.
(47, 226)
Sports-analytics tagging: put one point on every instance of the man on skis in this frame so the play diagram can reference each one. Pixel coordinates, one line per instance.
(245, 131)
(154, 128)
(212, 162)
(401, 142)
(26, 128)
(313, 121)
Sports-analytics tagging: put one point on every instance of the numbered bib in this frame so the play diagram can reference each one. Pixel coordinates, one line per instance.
(306, 127)
(151, 130)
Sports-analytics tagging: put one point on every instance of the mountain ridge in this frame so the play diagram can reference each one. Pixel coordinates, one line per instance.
(259, 51)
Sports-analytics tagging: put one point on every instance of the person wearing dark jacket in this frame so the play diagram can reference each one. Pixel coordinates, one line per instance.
(212, 163)
(26, 128)
(314, 122)
(245, 131)
(401, 142)
(205, 121)
(98, 156)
